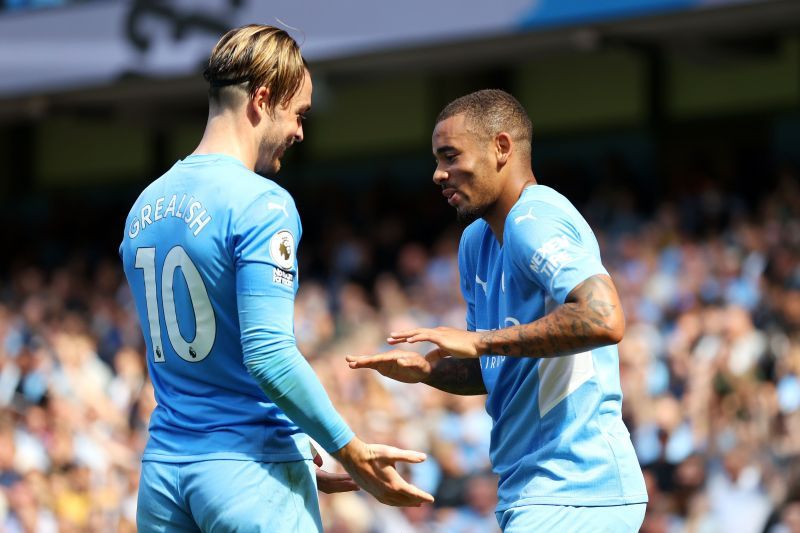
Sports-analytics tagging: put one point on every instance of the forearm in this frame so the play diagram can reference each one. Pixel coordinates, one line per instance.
(271, 357)
(288, 380)
(589, 319)
(457, 376)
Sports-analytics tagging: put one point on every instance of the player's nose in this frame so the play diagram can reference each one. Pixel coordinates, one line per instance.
(439, 176)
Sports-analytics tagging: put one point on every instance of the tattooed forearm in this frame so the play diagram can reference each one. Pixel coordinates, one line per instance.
(591, 317)
(457, 376)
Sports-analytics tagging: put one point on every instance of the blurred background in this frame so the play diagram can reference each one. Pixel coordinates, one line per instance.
(674, 126)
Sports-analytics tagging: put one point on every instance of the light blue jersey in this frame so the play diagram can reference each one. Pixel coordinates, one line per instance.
(558, 436)
(210, 255)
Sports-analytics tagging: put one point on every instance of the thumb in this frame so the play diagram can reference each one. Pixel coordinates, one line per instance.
(435, 355)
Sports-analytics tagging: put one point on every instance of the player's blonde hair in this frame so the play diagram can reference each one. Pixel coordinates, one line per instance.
(259, 56)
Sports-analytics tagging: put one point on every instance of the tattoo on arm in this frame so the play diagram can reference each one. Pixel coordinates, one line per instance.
(457, 376)
(590, 317)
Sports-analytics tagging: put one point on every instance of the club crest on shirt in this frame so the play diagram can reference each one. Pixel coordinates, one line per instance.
(281, 249)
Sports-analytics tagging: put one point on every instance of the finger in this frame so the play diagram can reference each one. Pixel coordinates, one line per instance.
(390, 453)
(393, 342)
(341, 486)
(419, 495)
(363, 361)
(422, 336)
(435, 355)
(329, 483)
(405, 333)
(403, 336)
(407, 495)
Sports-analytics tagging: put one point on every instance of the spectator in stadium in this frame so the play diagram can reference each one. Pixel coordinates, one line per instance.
(235, 398)
(543, 321)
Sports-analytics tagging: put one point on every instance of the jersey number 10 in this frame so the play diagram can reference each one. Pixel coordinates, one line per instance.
(206, 325)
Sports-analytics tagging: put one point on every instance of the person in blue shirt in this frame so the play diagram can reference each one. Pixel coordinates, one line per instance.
(210, 254)
(543, 320)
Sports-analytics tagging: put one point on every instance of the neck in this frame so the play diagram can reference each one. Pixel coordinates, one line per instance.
(224, 134)
(496, 215)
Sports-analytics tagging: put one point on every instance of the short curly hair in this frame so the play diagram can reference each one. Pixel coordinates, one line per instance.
(491, 111)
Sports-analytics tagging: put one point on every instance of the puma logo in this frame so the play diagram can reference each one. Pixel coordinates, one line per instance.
(520, 218)
(273, 206)
(482, 283)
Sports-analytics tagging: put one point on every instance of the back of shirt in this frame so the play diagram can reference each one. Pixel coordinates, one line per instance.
(205, 230)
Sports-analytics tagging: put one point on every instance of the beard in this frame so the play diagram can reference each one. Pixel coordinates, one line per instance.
(467, 216)
(276, 148)
(268, 169)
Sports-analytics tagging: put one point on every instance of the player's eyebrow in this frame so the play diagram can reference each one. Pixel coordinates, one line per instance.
(445, 148)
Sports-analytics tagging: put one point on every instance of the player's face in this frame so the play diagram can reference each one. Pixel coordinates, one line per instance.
(284, 128)
(464, 168)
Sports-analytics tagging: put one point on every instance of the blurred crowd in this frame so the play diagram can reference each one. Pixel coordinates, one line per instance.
(710, 368)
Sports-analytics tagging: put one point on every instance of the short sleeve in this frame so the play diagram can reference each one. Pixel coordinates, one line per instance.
(266, 236)
(548, 249)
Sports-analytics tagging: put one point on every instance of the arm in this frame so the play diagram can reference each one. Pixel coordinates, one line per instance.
(266, 269)
(272, 358)
(591, 316)
(457, 376)
(449, 374)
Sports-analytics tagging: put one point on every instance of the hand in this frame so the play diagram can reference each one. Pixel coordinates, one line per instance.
(400, 365)
(372, 467)
(451, 341)
(329, 482)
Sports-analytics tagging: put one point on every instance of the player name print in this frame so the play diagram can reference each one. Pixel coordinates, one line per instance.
(184, 207)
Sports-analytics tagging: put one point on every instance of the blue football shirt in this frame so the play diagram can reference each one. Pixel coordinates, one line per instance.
(557, 435)
(198, 242)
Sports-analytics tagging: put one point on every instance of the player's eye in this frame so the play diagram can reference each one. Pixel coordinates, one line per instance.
(301, 116)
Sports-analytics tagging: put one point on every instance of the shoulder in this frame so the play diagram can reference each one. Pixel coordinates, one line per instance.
(539, 201)
(269, 209)
(249, 186)
(539, 213)
(258, 194)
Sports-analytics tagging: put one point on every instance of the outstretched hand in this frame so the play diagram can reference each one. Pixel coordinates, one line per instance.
(400, 365)
(372, 468)
(455, 342)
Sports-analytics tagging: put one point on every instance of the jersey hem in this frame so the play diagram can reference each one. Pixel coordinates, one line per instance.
(576, 502)
(230, 456)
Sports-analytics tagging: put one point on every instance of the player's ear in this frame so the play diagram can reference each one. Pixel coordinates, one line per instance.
(503, 146)
(260, 99)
